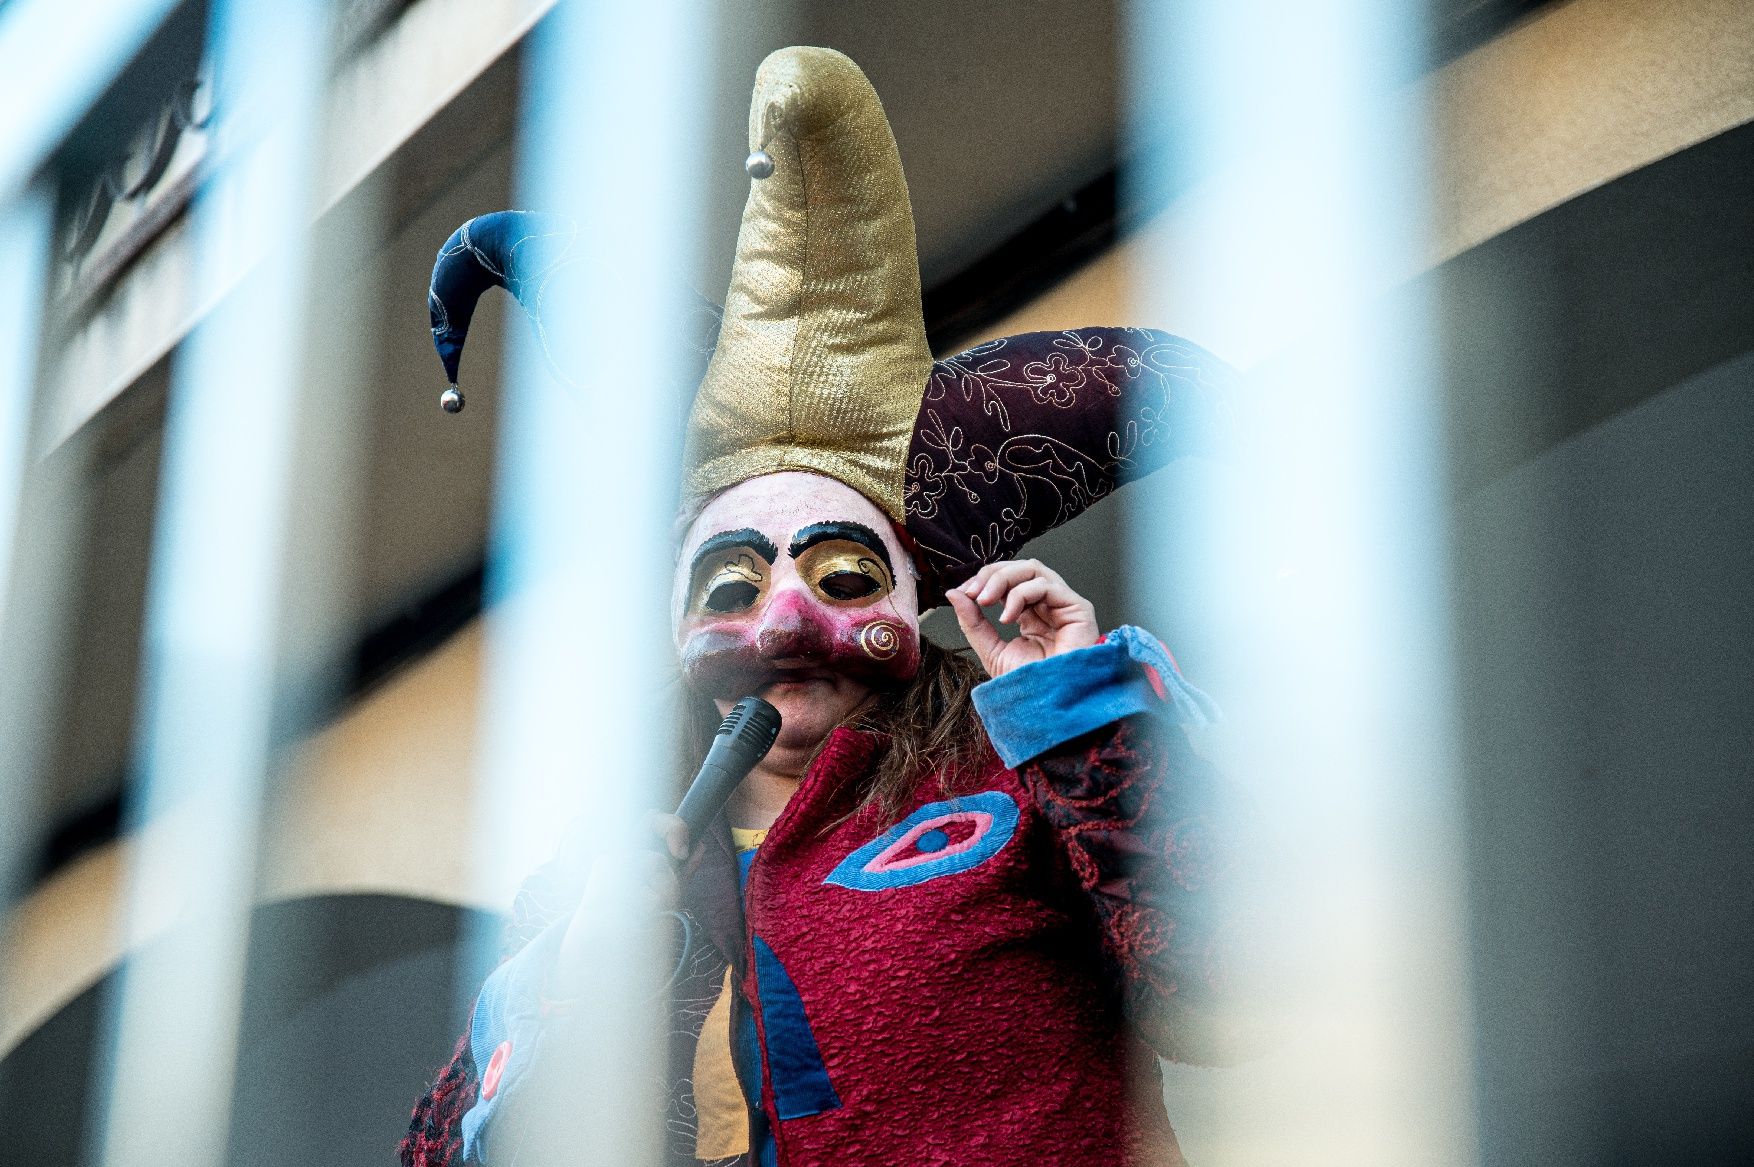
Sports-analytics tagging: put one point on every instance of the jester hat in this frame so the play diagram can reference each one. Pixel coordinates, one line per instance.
(821, 362)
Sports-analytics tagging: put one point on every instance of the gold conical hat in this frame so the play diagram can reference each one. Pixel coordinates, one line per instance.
(822, 357)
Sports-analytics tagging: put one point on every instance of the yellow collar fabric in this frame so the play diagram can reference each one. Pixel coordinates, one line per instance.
(745, 839)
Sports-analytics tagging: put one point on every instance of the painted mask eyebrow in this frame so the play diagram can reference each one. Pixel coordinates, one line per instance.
(841, 529)
(743, 537)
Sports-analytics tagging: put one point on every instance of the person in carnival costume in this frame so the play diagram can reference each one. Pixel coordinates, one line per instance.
(962, 906)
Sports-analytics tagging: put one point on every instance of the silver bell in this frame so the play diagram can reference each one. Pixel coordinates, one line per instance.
(759, 164)
(451, 401)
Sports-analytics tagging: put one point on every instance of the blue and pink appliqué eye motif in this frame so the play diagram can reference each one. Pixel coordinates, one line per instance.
(940, 838)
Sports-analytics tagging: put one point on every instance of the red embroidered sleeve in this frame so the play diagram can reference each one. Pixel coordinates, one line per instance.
(1150, 832)
(435, 1134)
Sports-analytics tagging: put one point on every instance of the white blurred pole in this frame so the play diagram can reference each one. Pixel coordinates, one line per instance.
(578, 721)
(24, 253)
(214, 703)
(26, 629)
(1317, 565)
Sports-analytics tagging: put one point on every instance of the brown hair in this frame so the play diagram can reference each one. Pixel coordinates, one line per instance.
(930, 722)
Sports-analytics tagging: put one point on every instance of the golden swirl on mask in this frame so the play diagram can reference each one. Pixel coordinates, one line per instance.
(880, 640)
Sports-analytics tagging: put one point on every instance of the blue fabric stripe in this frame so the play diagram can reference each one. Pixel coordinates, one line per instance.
(794, 1062)
(746, 1047)
(1032, 709)
(746, 1060)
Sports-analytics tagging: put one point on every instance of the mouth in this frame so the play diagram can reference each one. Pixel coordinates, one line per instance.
(781, 681)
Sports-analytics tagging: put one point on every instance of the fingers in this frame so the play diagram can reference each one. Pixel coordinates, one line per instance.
(673, 833)
(1035, 598)
(1020, 585)
(640, 878)
(621, 888)
(981, 635)
(1022, 596)
(993, 582)
(653, 884)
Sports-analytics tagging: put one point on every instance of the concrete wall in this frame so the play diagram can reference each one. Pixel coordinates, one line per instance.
(1607, 642)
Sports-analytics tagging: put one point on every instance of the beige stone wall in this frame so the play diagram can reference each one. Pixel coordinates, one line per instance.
(1583, 94)
(1590, 91)
(380, 801)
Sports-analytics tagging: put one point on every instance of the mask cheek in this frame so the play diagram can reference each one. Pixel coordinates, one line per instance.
(880, 646)
(714, 656)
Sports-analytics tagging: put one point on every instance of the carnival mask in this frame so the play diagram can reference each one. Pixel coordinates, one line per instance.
(822, 409)
(793, 571)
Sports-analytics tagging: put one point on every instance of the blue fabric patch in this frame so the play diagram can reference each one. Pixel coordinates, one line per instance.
(1030, 710)
(794, 1062)
(932, 841)
(854, 871)
(508, 1008)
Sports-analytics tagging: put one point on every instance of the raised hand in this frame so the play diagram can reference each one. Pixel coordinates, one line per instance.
(623, 888)
(1050, 617)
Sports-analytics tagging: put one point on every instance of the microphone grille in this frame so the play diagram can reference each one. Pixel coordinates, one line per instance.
(754, 722)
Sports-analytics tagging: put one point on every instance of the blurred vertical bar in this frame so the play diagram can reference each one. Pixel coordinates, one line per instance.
(1316, 559)
(28, 574)
(217, 701)
(580, 727)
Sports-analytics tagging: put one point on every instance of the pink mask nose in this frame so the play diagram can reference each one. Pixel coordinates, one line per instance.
(793, 627)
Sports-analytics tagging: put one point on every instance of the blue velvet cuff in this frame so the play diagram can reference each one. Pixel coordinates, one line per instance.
(508, 1012)
(1032, 709)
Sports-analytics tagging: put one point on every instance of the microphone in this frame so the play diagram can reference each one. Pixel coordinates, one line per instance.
(744, 738)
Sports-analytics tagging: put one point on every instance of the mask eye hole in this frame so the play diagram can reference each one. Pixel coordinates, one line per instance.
(848, 585)
(727, 583)
(731, 596)
(843, 572)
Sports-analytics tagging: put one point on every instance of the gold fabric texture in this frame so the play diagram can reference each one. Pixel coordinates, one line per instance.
(723, 1129)
(822, 358)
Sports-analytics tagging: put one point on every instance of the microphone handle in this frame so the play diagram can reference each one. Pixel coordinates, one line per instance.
(744, 738)
(708, 793)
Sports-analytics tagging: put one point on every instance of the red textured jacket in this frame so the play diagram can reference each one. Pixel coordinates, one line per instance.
(983, 983)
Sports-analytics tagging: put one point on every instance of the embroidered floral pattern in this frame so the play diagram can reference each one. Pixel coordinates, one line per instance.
(1018, 435)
